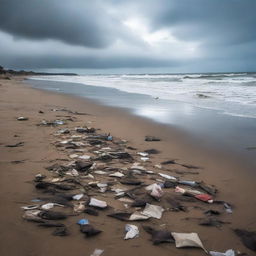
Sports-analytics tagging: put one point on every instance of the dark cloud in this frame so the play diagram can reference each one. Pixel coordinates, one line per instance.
(207, 35)
(77, 22)
(214, 21)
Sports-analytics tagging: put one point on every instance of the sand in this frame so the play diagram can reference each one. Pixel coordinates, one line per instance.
(234, 179)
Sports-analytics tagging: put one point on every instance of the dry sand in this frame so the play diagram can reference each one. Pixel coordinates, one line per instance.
(234, 180)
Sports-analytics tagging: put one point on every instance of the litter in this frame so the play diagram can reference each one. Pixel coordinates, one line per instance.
(91, 212)
(100, 172)
(138, 216)
(144, 154)
(132, 231)
(50, 206)
(153, 211)
(30, 207)
(124, 216)
(144, 159)
(97, 203)
(60, 231)
(22, 118)
(228, 208)
(211, 212)
(157, 191)
(167, 176)
(248, 238)
(205, 198)
(229, 252)
(77, 197)
(97, 252)
(89, 230)
(84, 157)
(117, 174)
(189, 183)
(187, 240)
(152, 151)
(19, 144)
(83, 222)
(152, 138)
(51, 215)
(32, 215)
(73, 173)
(159, 236)
(73, 156)
(175, 205)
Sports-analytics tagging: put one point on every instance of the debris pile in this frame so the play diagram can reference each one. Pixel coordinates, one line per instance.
(101, 170)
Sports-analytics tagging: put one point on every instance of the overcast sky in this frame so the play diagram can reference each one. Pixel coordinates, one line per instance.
(168, 35)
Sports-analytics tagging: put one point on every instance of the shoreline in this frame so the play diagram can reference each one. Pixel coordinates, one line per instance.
(235, 184)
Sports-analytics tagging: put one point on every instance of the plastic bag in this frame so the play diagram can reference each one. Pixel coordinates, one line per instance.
(187, 240)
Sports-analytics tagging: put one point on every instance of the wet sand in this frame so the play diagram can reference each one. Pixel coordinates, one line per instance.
(234, 179)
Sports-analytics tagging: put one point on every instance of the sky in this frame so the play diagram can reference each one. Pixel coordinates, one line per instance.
(129, 35)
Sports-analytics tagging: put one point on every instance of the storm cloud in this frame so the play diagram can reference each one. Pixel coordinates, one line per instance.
(185, 35)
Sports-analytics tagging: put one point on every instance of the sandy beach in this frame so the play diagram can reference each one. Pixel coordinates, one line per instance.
(233, 178)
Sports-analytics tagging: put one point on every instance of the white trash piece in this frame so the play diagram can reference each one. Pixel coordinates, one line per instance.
(78, 196)
(156, 191)
(138, 216)
(30, 207)
(153, 211)
(187, 240)
(142, 154)
(97, 203)
(97, 252)
(144, 159)
(229, 252)
(116, 174)
(168, 177)
(73, 173)
(50, 206)
(132, 231)
(85, 157)
(100, 172)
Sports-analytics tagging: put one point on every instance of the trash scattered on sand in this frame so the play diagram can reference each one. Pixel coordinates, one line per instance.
(132, 231)
(22, 118)
(103, 176)
(229, 252)
(97, 252)
(187, 240)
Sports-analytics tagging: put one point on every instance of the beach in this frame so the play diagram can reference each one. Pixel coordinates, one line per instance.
(232, 176)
